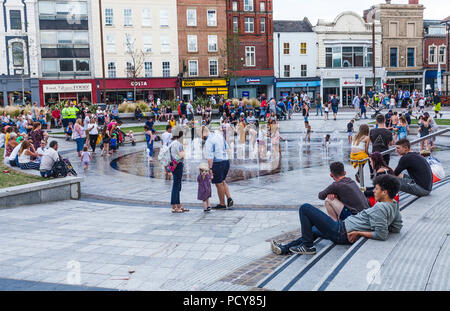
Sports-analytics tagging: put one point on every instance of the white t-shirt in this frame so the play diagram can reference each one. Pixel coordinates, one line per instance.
(86, 123)
(166, 138)
(41, 151)
(189, 109)
(15, 152)
(421, 103)
(48, 159)
(94, 130)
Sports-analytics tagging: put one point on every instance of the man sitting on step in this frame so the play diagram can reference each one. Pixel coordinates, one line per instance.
(343, 198)
(373, 223)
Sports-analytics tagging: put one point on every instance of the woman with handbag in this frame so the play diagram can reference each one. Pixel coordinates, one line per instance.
(176, 165)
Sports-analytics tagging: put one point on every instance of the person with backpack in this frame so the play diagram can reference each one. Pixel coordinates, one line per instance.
(49, 158)
(172, 159)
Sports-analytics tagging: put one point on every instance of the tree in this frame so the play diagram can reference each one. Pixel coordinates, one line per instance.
(231, 54)
(137, 62)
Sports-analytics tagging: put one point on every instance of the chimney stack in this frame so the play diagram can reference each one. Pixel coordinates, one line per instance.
(413, 1)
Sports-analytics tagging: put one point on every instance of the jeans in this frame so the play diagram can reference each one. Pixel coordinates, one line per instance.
(150, 149)
(408, 185)
(316, 224)
(176, 188)
(80, 143)
(47, 174)
(319, 107)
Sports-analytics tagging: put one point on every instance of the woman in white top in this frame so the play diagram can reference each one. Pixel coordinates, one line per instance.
(93, 133)
(360, 147)
(25, 153)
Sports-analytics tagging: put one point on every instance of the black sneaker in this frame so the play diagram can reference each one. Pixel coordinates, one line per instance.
(303, 250)
(230, 202)
(276, 247)
(220, 207)
(207, 210)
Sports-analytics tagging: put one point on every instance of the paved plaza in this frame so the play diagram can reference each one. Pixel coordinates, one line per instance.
(121, 235)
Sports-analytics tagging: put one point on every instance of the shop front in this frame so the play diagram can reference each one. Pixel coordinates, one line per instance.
(409, 80)
(195, 88)
(288, 87)
(252, 87)
(146, 89)
(431, 81)
(17, 92)
(345, 84)
(78, 91)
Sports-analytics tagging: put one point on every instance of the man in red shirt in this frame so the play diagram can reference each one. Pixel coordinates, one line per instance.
(56, 115)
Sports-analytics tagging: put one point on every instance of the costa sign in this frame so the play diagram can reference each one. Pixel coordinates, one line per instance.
(138, 83)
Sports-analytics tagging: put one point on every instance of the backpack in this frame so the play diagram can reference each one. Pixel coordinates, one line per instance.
(60, 169)
(164, 155)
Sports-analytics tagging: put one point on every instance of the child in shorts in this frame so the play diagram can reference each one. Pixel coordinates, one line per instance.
(204, 186)
(326, 110)
(86, 158)
(350, 131)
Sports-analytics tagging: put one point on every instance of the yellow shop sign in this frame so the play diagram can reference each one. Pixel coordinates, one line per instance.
(204, 83)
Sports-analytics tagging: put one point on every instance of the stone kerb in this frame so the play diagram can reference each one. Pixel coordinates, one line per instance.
(67, 188)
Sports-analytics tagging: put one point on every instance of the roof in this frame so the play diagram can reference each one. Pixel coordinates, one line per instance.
(445, 20)
(292, 26)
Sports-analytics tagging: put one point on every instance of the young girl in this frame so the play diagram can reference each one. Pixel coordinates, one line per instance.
(86, 158)
(326, 110)
(149, 138)
(308, 132)
(425, 130)
(204, 186)
(106, 137)
(360, 147)
(402, 127)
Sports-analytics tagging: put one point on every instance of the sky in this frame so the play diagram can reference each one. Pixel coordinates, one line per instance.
(329, 9)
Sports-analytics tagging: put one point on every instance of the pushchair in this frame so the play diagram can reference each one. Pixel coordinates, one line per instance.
(281, 113)
(62, 168)
(376, 110)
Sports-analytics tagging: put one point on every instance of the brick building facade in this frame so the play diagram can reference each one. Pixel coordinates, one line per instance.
(402, 26)
(202, 35)
(250, 47)
(435, 52)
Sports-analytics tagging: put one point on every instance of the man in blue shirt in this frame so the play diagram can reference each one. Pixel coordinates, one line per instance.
(216, 148)
(335, 106)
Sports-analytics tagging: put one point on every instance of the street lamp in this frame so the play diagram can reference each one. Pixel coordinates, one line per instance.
(446, 22)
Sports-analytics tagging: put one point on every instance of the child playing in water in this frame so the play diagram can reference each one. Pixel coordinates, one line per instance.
(204, 186)
(327, 141)
(86, 158)
(308, 132)
(131, 136)
(150, 138)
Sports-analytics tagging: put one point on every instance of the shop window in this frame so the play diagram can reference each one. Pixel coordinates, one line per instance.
(18, 54)
(66, 65)
(15, 19)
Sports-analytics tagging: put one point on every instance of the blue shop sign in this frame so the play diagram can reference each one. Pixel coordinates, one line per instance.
(298, 84)
(246, 94)
(253, 81)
